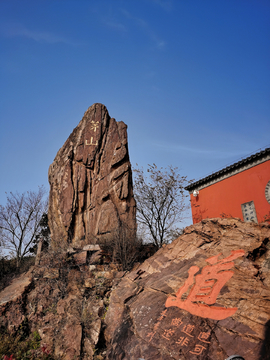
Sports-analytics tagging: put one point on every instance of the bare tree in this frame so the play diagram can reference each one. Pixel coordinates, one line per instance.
(20, 221)
(1, 243)
(122, 246)
(160, 201)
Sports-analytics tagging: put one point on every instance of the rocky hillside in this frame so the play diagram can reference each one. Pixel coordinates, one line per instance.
(204, 296)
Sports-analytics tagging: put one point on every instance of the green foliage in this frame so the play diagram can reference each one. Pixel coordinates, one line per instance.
(105, 312)
(36, 336)
(44, 234)
(22, 347)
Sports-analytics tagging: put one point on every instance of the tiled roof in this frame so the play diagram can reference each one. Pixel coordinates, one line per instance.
(231, 169)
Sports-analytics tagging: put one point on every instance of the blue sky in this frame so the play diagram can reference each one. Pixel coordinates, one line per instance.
(190, 78)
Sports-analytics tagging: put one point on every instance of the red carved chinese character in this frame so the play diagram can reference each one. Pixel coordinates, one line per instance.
(151, 335)
(198, 350)
(203, 336)
(206, 288)
(176, 322)
(183, 341)
(156, 326)
(167, 334)
(187, 329)
(162, 315)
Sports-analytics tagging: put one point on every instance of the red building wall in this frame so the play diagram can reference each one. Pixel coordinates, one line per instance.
(225, 197)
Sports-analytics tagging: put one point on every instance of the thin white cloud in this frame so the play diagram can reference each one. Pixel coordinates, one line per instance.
(142, 24)
(17, 30)
(116, 25)
(165, 4)
(217, 154)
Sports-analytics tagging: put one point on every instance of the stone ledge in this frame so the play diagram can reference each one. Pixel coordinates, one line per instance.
(15, 290)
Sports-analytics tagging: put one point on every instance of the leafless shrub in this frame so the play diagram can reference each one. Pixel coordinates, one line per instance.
(122, 245)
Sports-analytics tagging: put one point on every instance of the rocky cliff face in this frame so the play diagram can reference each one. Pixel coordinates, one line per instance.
(204, 296)
(64, 299)
(91, 181)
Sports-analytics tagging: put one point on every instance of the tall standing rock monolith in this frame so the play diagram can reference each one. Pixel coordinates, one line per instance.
(91, 181)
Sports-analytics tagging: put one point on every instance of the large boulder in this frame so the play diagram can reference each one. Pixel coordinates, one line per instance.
(204, 296)
(91, 181)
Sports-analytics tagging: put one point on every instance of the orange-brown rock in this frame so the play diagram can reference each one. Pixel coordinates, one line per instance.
(204, 296)
(66, 308)
(91, 181)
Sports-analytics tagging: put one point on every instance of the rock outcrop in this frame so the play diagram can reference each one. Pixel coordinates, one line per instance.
(91, 181)
(64, 299)
(204, 296)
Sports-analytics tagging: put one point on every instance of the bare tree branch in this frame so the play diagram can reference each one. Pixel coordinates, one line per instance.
(20, 221)
(160, 201)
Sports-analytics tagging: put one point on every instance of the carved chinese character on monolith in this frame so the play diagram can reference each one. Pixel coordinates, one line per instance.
(91, 181)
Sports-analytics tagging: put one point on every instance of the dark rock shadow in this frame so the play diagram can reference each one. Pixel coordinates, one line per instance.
(265, 349)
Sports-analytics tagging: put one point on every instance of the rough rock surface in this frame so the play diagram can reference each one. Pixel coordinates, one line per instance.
(64, 301)
(14, 291)
(84, 309)
(204, 296)
(91, 181)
